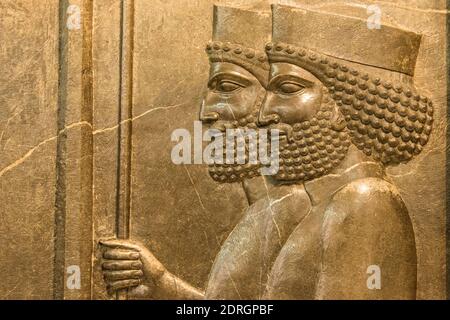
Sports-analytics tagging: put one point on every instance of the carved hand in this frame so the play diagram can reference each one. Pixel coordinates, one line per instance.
(128, 264)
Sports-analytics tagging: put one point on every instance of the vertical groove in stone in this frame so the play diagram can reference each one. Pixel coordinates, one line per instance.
(130, 113)
(125, 114)
(87, 110)
(119, 118)
(448, 159)
(60, 197)
(125, 125)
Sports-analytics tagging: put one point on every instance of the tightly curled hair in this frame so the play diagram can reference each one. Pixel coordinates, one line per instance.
(252, 60)
(391, 123)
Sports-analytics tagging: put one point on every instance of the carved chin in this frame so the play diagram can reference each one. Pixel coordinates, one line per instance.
(229, 173)
(233, 173)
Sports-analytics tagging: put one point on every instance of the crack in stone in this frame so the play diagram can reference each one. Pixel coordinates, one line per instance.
(7, 124)
(32, 150)
(272, 214)
(103, 130)
(195, 189)
(10, 291)
(74, 125)
(231, 110)
(337, 175)
(232, 281)
(279, 200)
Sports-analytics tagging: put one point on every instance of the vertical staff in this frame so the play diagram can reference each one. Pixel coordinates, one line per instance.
(125, 125)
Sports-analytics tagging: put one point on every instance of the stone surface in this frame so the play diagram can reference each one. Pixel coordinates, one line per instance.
(85, 125)
(28, 126)
(188, 209)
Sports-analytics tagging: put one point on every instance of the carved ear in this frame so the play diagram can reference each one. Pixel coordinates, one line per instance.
(338, 122)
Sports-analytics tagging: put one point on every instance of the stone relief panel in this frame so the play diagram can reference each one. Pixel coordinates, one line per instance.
(230, 149)
(357, 125)
(28, 125)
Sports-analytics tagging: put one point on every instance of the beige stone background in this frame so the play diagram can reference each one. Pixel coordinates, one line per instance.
(85, 123)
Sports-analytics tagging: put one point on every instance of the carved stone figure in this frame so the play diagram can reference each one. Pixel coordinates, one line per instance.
(345, 110)
(238, 77)
(236, 89)
(344, 97)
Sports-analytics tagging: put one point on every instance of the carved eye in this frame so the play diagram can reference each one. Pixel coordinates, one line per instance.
(227, 86)
(290, 87)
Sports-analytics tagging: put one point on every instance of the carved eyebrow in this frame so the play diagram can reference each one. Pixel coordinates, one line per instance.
(229, 76)
(289, 77)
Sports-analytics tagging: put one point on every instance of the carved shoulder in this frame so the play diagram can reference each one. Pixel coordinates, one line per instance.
(366, 225)
(367, 200)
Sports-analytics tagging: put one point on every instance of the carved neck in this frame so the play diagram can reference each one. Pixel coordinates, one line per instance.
(259, 187)
(353, 157)
(255, 188)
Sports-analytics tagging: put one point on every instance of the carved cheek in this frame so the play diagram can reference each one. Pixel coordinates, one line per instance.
(299, 108)
(242, 103)
(310, 104)
(285, 107)
(247, 101)
(226, 106)
(227, 109)
(217, 104)
(234, 106)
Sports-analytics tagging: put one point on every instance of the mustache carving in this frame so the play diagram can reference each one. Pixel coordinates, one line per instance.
(284, 129)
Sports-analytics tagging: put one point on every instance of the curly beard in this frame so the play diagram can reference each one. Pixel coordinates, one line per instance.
(315, 147)
(229, 173)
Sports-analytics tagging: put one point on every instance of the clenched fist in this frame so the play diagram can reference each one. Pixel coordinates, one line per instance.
(129, 265)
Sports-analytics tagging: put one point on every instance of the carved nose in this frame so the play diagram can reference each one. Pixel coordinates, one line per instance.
(222, 126)
(208, 117)
(265, 120)
(208, 113)
(266, 116)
